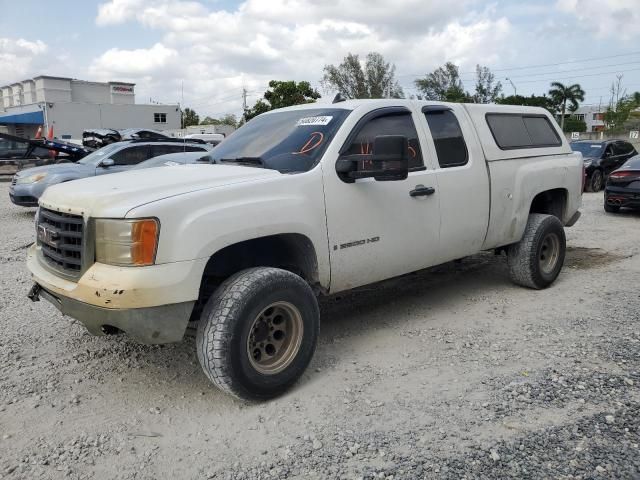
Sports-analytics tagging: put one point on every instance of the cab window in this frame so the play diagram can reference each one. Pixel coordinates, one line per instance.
(396, 124)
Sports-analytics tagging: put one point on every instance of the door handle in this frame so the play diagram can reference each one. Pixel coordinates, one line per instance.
(422, 191)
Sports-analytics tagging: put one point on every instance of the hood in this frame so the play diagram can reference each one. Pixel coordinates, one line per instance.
(53, 169)
(115, 194)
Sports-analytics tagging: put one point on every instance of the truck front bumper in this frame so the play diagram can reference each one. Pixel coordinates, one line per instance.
(150, 304)
(152, 325)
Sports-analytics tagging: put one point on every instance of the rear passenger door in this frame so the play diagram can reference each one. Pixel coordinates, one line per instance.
(463, 182)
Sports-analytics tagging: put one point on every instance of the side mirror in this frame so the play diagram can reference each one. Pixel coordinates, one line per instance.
(107, 162)
(389, 161)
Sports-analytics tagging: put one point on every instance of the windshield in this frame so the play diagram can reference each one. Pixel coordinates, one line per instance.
(102, 153)
(290, 141)
(588, 149)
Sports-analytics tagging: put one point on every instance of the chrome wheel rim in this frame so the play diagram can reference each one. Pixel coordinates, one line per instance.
(549, 253)
(275, 338)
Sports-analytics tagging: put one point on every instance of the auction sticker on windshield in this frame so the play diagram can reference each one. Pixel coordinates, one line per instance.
(320, 120)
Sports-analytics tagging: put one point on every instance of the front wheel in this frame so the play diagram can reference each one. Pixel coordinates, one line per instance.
(596, 182)
(536, 260)
(258, 332)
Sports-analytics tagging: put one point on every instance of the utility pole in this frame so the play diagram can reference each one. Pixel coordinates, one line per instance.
(244, 100)
(182, 105)
(515, 92)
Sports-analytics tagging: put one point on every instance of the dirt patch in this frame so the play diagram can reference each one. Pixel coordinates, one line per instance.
(583, 258)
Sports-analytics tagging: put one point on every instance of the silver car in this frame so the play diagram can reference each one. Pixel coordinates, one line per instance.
(28, 185)
(172, 159)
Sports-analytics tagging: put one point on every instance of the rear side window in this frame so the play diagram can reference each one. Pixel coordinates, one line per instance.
(624, 148)
(512, 131)
(633, 163)
(447, 137)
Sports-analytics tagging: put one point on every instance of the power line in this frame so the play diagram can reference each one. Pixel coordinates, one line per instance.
(561, 63)
(560, 72)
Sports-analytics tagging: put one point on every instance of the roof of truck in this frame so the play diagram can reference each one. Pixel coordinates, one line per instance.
(477, 113)
(382, 102)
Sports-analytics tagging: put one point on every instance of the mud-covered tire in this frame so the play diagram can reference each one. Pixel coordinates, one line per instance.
(227, 328)
(536, 260)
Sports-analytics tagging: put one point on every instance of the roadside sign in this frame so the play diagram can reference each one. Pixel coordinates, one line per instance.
(633, 134)
(575, 135)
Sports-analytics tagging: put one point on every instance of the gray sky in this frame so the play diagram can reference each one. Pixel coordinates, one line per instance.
(215, 47)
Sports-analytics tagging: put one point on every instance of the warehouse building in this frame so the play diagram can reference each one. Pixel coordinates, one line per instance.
(71, 106)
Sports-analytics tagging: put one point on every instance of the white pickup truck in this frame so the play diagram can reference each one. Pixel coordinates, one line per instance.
(301, 202)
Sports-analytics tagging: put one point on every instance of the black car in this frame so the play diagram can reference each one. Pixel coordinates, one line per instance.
(623, 187)
(602, 158)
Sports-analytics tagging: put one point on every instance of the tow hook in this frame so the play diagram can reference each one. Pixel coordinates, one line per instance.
(34, 293)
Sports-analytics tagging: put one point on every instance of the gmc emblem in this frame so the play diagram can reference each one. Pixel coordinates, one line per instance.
(47, 236)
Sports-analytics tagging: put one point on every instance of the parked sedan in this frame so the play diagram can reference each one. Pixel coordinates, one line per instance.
(602, 158)
(28, 185)
(623, 187)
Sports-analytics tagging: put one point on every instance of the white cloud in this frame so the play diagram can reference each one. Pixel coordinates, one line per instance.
(18, 56)
(134, 63)
(607, 18)
(215, 52)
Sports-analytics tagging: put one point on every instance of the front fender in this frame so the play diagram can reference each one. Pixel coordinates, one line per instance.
(196, 225)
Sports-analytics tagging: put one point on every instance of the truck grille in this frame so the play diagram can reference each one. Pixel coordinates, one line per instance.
(60, 237)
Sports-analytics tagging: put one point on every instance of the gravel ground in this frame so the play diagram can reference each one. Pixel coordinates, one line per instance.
(447, 373)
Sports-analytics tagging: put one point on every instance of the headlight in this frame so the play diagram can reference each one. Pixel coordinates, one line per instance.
(127, 242)
(587, 163)
(31, 178)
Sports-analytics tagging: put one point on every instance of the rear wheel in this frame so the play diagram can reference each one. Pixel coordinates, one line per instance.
(536, 260)
(258, 332)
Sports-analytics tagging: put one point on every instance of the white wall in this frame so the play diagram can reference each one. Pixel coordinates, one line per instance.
(53, 89)
(73, 118)
(89, 92)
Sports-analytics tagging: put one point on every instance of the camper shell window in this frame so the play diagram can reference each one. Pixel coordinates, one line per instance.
(513, 131)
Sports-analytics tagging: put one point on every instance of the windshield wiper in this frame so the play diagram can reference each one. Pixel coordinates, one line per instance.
(243, 160)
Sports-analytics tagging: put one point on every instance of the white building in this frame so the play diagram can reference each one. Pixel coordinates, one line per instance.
(592, 115)
(72, 105)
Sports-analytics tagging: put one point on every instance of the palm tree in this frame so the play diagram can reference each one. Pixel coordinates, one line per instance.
(561, 95)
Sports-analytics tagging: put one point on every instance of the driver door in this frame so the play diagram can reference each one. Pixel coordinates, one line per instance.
(377, 229)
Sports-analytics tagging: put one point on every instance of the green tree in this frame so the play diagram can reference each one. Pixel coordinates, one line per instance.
(228, 119)
(621, 115)
(375, 80)
(561, 95)
(574, 125)
(282, 94)
(189, 117)
(487, 90)
(532, 101)
(443, 84)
